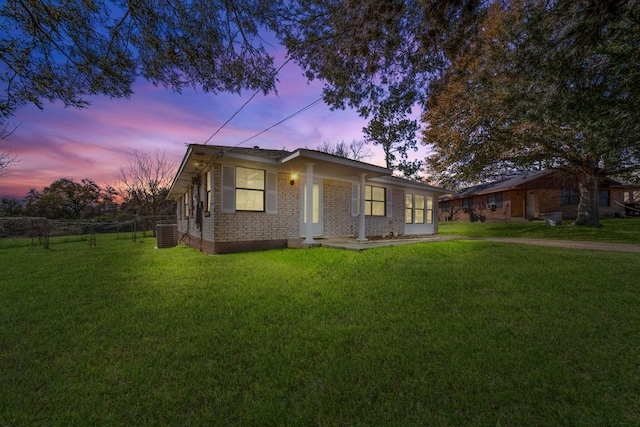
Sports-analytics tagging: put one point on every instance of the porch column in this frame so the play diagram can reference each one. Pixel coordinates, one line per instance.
(309, 204)
(361, 230)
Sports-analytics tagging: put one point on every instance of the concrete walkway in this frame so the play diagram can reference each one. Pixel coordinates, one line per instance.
(353, 245)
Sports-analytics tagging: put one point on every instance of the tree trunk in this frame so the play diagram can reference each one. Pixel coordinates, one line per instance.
(589, 187)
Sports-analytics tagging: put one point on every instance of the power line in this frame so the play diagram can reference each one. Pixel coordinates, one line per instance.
(244, 105)
(281, 121)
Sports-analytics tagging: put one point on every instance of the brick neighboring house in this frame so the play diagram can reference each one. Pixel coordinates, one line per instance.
(234, 199)
(526, 197)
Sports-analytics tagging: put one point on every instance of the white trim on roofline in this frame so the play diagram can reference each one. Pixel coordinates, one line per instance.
(318, 155)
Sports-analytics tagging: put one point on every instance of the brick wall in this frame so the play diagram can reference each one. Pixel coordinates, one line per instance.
(546, 200)
(383, 225)
(258, 226)
(338, 221)
(245, 227)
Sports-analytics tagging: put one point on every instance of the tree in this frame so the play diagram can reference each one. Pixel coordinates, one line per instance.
(543, 85)
(143, 183)
(64, 198)
(6, 158)
(69, 50)
(395, 133)
(10, 207)
(356, 150)
(365, 50)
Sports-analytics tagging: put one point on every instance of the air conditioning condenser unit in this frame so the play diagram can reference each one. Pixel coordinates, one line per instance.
(167, 235)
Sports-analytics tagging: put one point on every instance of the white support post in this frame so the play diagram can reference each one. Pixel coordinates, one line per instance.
(361, 228)
(309, 229)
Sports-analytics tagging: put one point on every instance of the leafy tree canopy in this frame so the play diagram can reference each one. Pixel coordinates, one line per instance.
(551, 85)
(66, 50)
(365, 49)
(64, 198)
(391, 129)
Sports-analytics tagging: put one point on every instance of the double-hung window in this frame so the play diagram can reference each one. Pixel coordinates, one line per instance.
(467, 204)
(374, 201)
(569, 197)
(249, 189)
(495, 199)
(207, 195)
(429, 210)
(419, 209)
(408, 208)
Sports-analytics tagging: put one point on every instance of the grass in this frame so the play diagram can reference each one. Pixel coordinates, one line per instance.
(613, 230)
(425, 334)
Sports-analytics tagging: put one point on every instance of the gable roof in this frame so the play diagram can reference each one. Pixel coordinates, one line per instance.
(510, 184)
(500, 185)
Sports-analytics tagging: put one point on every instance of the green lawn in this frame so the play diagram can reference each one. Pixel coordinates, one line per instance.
(447, 333)
(613, 230)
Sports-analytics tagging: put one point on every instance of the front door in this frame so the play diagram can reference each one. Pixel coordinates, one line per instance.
(317, 209)
(531, 204)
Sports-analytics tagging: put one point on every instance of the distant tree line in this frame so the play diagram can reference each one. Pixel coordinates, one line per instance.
(140, 189)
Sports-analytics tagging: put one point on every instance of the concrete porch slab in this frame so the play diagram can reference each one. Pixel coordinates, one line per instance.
(350, 243)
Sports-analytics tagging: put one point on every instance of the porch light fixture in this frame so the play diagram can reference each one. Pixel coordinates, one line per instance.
(294, 178)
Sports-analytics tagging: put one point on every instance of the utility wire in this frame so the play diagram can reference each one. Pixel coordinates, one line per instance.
(244, 105)
(220, 154)
(281, 121)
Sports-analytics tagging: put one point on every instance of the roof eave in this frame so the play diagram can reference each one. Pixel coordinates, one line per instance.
(330, 158)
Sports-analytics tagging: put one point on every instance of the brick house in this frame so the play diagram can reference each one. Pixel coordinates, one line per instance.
(232, 199)
(526, 197)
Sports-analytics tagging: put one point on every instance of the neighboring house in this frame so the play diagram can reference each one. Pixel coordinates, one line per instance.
(531, 196)
(234, 199)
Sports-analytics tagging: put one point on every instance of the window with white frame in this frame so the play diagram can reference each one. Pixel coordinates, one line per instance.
(249, 189)
(374, 201)
(185, 200)
(207, 194)
(420, 209)
(408, 208)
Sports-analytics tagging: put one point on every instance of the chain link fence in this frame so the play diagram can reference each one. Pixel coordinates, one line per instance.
(22, 231)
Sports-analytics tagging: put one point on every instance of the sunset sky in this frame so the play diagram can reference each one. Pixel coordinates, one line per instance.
(92, 143)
